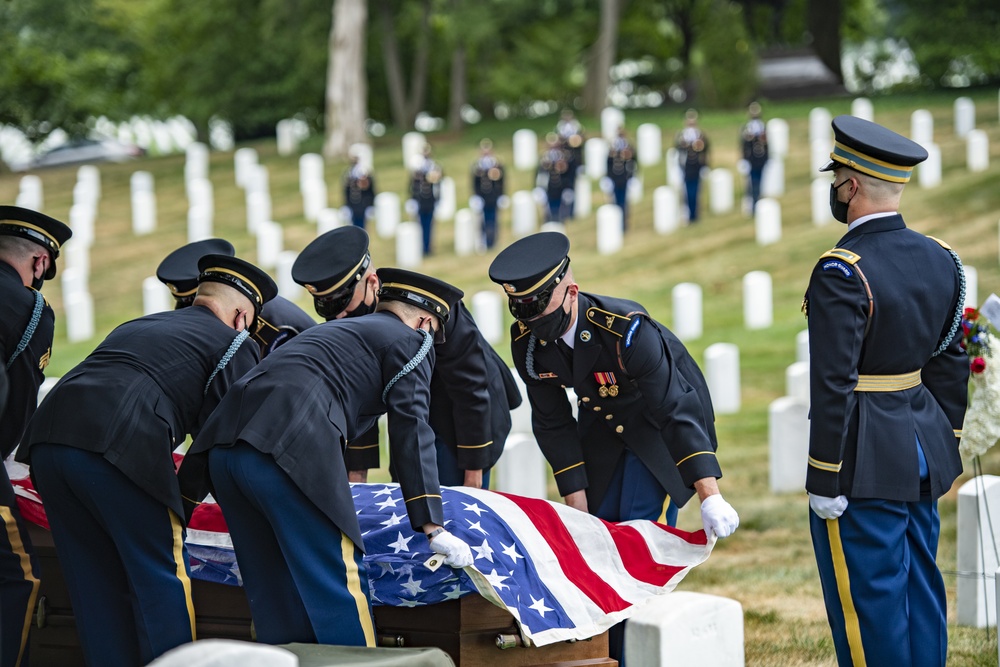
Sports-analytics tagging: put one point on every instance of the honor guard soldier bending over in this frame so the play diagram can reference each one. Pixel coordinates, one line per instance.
(888, 381)
(29, 246)
(645, 436)
(275, 457)
(472, 390)
(279, 320)
(100, 450)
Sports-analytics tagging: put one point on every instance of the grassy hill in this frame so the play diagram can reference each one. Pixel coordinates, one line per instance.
(768, 564)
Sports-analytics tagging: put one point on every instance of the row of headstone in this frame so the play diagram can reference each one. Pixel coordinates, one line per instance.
(143, 197)
(788, 425)
(29, 193)
(312, 185)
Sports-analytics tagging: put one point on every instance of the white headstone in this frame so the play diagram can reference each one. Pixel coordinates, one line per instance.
(287, 287)
(524, 219)
(971, 286)
(595, 155)
(46, 387)
(978, 543)
(772, 181)
(521, 469)
(445, 209)
(81, 220)
(270, 244)
(819, 125)
(525, 150)
(163, 141)
(310, 169)
(258, 210)
(329, 219)
(553, 226)
(777, 138)
(199, 224)
(409, 245)
(314, 199)
(819, 155)
(757, 302)
(244, 159)
(141, 181)
(413, 147)
(965, 116)
(634, 189)
(143, 212)
(467, 232)
(797, 381)
(977, 150)
(387, 214)
(30, 193)
(788, 444)
(201, 194)
(365, 153)
(802, 345)
(610, 229)
(583, 203)
(722, 373)
(90, 176)
(686, 299)
(720, 186)
(258, 179)
(487, 310)
(861, 107)
(767, 221)
(287, 137)
(685, 628)
(666, 216)
(612, 118)
(196, 161)
(675, 177)
(820, 198)
(520, 417)
(922, 127)
(929, 171)
(156, 297)
(648, 144)
(79, 307)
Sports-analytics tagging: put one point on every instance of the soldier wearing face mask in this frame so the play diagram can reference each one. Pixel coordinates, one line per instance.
(472, 390)
(645, 441)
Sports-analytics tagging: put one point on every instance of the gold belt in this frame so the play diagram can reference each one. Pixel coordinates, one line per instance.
(888, 382)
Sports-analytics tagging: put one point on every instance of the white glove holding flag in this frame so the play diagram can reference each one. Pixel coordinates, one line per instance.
(456, 552)
(827, 508)
(718, 516)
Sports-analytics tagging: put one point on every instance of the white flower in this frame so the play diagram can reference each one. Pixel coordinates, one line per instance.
(982, 420)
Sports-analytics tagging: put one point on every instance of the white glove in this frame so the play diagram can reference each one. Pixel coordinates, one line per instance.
(411, 207)
(607, 186)
(718, 516)
(476, 203)
(370, 213)
(503, 201)
(568, 196)
(743, 167)
(345, 213)
(705, 171)
(540, 196)
(456, 552)
(827, 508)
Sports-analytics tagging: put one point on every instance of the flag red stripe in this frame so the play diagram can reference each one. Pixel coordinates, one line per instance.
(637, 559)
(546, 520)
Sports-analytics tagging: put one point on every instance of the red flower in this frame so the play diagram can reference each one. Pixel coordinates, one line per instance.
(978, 365)
(971, 314)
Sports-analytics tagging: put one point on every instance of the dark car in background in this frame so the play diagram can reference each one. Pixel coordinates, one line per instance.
(84, 151)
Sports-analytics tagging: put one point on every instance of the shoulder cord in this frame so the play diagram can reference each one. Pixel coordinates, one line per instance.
(233, 347)
(529, 358)
(425, 347)
(36, 316)
(959, 307)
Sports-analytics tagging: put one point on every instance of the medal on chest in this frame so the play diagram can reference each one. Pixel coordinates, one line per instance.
(608, 384)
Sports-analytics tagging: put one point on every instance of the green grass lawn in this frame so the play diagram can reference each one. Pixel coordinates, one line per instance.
(767, 565)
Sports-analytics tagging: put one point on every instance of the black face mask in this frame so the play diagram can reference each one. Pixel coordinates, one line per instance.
(551, 326)
(363, 308)
(838, 208)
(36, 283)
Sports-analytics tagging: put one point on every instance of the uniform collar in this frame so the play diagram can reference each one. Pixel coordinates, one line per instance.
(871, 216)
(879, 223)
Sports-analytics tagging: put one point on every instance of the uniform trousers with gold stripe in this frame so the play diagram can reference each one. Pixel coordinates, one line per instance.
(305, 580)
(122, 554)
(19, 580)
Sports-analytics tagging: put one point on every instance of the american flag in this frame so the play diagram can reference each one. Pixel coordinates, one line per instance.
(563, 574)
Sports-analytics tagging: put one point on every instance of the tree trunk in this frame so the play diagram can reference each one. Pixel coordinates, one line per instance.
(418, 76)
(458, 89)
(824, 23)
(346, 87)
(393, 67)
(602, 57)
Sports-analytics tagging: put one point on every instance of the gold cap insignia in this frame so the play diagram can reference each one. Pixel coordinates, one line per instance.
(311, 289)
(508, 288)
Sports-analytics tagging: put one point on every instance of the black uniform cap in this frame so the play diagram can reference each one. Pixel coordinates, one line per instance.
(239, 274)
(333, 262)
(435, 296)
(529, 269)
(871, 149)
(179, 270)
(38, 227)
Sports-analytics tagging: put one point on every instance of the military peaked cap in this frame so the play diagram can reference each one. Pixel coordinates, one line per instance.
(333, 262)
(38, 227)
(435, 296)
(239, 274)
(179, 270)
(874, 150)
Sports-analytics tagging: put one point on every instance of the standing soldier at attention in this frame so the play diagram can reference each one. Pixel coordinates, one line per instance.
(620, 172)
(888, 384)
(425, 190)
(359, 192)
(29, 247)
(692, 152)
(487, 189)
(753, 137)
(555, 181)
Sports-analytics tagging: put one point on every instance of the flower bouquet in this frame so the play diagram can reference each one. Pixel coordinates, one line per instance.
(982, 419)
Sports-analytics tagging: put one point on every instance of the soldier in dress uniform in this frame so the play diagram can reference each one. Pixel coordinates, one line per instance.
(359, 192)
(753, 137)
(279, 320)
(888, 383)
(692, 151)
(100, 450)
(425, 190)
(645, 436)
(29, 247)
(472, 390)
(275, 459)
(555, 181)
(620, 171)
(570, 133)
(487, 189)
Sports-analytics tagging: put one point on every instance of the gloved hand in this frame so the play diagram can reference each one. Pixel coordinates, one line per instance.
(607, 187)
(705, 172)
(345, 214)
(476, 203)
(743, 167)
(456, 552)
(718, 516)
(540, 196)
(503, 201)
(370, 213)
(827, 508)
(411, 207)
